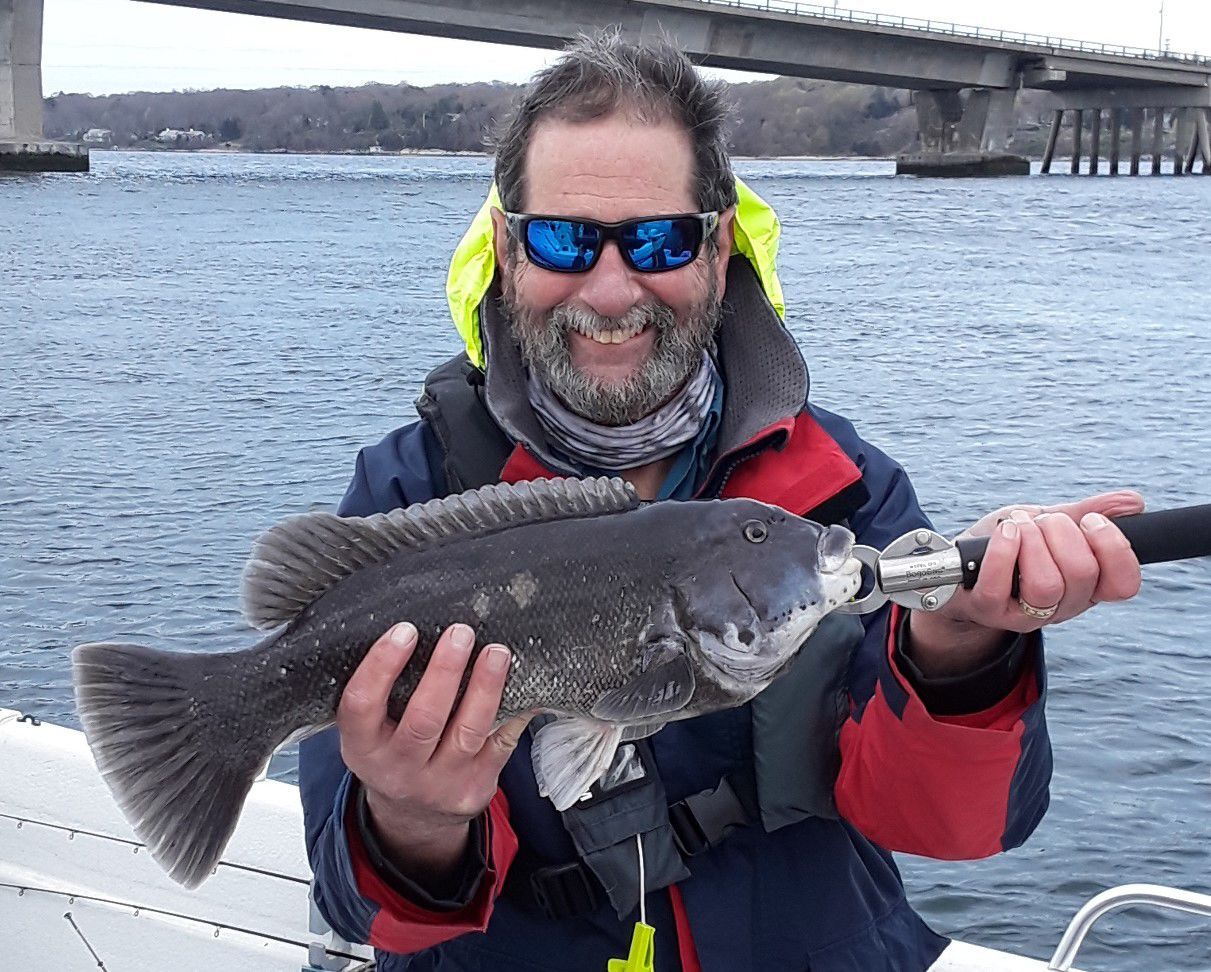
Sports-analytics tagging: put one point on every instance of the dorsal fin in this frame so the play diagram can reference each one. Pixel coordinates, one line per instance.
(296, 561)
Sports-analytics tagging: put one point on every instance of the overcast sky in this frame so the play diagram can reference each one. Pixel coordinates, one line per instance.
(106, 46)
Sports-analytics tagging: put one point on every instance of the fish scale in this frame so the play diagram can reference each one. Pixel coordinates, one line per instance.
(620, 616)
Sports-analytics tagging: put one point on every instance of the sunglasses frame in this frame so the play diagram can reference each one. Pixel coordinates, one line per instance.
(519, 224)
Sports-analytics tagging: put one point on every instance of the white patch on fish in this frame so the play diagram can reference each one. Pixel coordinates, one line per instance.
(522, 589)
(482, 604)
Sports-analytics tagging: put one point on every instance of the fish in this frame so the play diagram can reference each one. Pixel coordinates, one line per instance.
(621, 615)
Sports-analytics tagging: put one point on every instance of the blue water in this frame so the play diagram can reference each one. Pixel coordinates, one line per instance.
(194, 346)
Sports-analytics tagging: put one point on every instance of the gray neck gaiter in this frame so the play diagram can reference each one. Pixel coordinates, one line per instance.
(656, 436)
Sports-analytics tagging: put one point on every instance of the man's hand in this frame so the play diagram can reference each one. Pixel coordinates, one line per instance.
(1069, 557)
(436, 770)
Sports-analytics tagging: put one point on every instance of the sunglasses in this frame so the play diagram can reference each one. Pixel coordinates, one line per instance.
(651, 245)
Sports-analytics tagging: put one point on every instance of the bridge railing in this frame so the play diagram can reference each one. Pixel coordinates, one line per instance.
(1048, 42)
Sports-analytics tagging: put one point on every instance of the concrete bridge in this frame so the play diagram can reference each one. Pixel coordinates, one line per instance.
(965, 79)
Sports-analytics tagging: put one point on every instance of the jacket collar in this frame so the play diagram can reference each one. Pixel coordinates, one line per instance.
(765, 377)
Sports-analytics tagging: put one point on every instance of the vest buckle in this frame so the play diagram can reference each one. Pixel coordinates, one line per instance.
(565, 890)
(701, 821)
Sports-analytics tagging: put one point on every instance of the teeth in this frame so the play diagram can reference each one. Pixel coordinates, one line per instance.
(611, 337)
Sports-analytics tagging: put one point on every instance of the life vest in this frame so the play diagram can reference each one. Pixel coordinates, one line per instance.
(793, 725)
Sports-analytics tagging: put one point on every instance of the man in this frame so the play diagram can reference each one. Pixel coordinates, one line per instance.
(633, 328)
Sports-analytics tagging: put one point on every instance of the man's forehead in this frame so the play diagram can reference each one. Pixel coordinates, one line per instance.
(609, 169)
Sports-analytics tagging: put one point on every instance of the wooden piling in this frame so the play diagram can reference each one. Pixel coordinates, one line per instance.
(1056, 123)
(1078, 123)
(1095, 143)
(1116, 133)
(1158, 135)
(1137, 125)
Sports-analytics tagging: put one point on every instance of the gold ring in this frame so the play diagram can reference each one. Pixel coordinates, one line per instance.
(1042, 614)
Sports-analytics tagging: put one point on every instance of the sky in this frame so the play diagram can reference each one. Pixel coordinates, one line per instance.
(109, 46)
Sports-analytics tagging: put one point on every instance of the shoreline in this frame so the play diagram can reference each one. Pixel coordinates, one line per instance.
(405, 153)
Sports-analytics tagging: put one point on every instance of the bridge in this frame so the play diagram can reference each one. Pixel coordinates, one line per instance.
(965, 79)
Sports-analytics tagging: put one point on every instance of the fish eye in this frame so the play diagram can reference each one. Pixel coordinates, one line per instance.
(755, 531)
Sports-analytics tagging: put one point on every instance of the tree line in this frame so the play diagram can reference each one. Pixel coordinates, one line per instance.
(786, 116)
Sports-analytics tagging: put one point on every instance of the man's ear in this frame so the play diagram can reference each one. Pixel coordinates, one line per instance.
(500, 237)
(724, 235)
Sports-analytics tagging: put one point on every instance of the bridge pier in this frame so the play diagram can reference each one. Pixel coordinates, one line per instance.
(22, 147)
(964, 134)
(1188, 108)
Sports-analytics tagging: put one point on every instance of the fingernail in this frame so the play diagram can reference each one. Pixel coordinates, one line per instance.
(1020, 516)
(462, 637)
(498, 658)
(1009, 530)
(403, 634)
(1093, 521)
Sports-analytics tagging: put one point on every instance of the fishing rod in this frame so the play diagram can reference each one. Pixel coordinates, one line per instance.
(922, 570)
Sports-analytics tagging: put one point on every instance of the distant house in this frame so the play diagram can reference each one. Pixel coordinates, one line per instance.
(98, 135)
(182, 136)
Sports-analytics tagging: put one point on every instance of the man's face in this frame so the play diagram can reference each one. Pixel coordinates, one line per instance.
(612, 342)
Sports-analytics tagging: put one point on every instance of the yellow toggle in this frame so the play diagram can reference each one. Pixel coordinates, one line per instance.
(643, 951)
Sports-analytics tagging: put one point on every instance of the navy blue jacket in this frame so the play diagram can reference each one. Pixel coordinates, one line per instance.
(819, 894)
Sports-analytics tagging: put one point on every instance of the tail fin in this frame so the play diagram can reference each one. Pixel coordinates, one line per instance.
(179, 774)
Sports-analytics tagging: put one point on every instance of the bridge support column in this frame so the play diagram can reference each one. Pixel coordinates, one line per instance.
(1095, 143)
(22, 147)
(1181, 139)
(1158, 136)
(1078, 123)
(1116, 136)
(1203, 127)
(1137, 127)
(1052, 137)
(964, 134)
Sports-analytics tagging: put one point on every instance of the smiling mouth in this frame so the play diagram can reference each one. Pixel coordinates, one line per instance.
(616, 336)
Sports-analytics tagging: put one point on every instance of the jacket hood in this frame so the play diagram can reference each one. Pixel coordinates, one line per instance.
(473, 265)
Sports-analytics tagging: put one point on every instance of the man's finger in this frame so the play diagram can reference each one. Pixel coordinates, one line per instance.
(472, 723)
(1119, 567)
(1041, 583)
(992, 587)
(424, 720)
(1122, 502)
(500, 744)
(1076, 562)
(361, 716)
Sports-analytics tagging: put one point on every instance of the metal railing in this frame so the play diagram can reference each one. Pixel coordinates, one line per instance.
(1174, 899)
(1011, 37)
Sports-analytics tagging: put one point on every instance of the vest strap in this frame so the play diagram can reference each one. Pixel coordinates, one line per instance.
(703, 820)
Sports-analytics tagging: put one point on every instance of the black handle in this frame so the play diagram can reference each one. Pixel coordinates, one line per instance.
(1159, 537)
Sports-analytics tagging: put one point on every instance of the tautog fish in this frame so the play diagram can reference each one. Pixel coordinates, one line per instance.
(622, 616)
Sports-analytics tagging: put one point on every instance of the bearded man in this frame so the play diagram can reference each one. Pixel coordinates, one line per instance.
(621, 313)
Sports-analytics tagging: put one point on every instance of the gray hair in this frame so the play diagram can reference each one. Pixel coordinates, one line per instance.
(601, 74)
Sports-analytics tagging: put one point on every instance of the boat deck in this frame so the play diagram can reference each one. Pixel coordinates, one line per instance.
(74, 880)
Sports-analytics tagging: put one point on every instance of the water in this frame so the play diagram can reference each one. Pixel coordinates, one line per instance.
(195, 346)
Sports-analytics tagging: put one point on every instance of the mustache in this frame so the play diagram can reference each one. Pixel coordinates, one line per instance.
(571, 317)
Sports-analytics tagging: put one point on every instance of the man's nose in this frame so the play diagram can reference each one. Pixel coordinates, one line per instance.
(610, 288)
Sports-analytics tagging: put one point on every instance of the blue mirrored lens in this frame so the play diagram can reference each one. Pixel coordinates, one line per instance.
(562, 244)
(661, 244)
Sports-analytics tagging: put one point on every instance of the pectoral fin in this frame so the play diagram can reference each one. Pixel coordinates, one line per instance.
(641, 730)
(570, 755)
(664, 688)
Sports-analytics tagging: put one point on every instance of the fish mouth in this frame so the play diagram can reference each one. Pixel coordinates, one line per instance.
(835, 549)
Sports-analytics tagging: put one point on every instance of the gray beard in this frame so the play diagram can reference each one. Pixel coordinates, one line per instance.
(676, 354)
